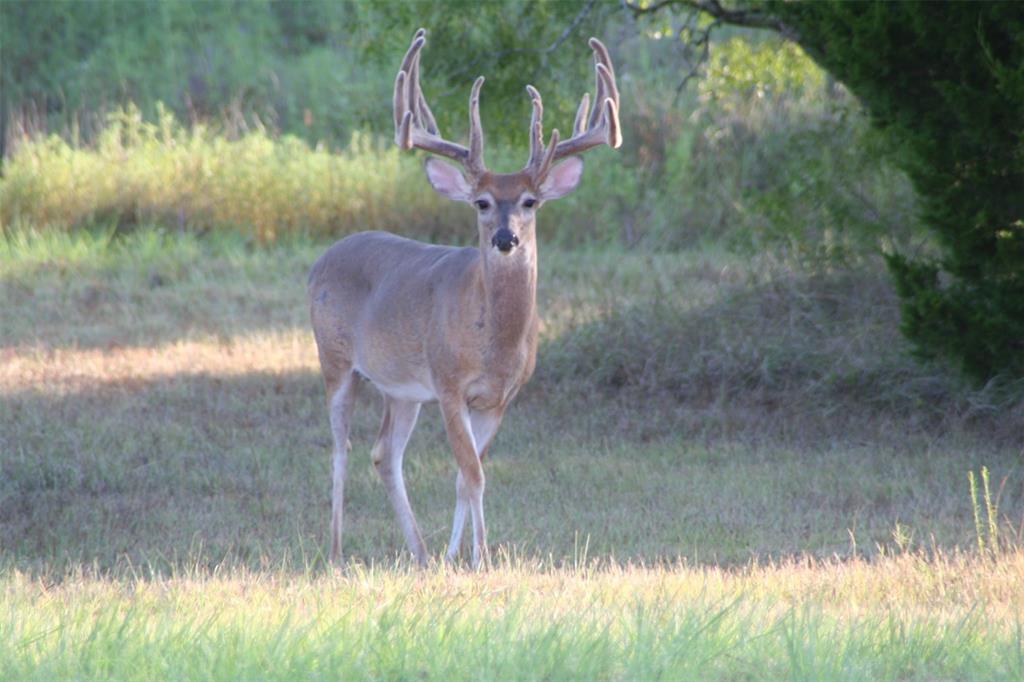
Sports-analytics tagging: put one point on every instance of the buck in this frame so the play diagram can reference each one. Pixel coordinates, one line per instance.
(455, 325)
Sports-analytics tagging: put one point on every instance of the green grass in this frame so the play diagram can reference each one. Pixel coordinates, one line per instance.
(723, 469)
(523, 621)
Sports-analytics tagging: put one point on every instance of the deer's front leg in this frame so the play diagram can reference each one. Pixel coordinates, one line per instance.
(470, 481)
(483, 426)
(459, 520)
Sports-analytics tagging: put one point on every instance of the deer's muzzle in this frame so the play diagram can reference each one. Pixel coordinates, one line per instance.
(504, 240)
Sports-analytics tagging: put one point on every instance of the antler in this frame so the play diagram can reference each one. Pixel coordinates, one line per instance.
(602, 127)
(415, 125)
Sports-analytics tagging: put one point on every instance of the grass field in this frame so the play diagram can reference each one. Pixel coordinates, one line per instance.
(724, 468)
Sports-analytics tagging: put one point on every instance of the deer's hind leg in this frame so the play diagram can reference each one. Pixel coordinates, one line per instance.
(341, 400)
(388, 452)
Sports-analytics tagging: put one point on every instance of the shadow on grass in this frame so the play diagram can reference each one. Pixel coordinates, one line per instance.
(151, 288)
(761, 421)
(205, 470)
(803, 359)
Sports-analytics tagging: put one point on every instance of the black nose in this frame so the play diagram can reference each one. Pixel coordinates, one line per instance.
(504, 240)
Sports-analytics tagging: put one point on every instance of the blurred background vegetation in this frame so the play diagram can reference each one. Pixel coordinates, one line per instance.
(273, 119)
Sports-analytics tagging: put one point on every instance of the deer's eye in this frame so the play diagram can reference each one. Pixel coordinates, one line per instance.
(482, 204)
(529, 203)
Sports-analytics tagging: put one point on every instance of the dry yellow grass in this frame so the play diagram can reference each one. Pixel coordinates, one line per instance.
(941, 587)
(60, 371)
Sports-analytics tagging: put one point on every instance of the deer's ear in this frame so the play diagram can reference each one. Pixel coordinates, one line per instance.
(447, 180)
(562, 179)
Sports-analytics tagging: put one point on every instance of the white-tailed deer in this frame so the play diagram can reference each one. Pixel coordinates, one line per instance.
(456, 325)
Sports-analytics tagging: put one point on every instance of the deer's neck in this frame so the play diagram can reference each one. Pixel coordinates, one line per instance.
(510, 308)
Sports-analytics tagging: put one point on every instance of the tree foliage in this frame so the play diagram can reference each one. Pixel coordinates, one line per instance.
(945, 82)
(540, 42)
(319, 69)
(67, 63)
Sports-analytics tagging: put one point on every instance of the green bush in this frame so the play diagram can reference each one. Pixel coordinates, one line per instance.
(824, 346)
(790, 162)
(945, 81)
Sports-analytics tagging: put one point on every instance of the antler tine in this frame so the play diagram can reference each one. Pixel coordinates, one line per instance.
(599, 97)
(605, 77)
(581, 115)
(403, 87)
(541, 157)
(429, 122)
(602, 126)
(417, 102)
(475, 162)
(536, 127)
(415, 125)
(398, 108)
(414, 94)
(549, 156)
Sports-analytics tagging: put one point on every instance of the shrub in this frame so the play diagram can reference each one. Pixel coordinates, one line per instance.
(825, 347)
(160, 172)
(788, 160)
(945, 82)
(143, 172)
